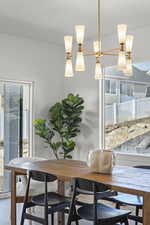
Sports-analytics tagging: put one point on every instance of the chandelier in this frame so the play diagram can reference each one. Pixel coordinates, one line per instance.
(123, 52)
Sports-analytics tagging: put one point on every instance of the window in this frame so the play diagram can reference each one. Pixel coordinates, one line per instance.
(107, 86)
(110, 86)
(15, 125)
(126, 89)
(127, 112)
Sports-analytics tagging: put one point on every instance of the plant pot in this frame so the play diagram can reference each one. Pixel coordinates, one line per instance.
(101, 161)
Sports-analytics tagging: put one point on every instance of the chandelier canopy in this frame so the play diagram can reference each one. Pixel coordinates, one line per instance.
(124, 51)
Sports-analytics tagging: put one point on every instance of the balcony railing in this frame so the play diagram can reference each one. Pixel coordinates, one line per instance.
(126, 111)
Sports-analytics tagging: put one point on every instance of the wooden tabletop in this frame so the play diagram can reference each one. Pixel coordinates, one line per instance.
(125, 179)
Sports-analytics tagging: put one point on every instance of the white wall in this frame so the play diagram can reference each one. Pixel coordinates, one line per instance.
(30, 60)
(85, 85)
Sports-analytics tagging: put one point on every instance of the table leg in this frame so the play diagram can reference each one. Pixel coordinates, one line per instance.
(13, 197)
(146, 209)
(61, 190)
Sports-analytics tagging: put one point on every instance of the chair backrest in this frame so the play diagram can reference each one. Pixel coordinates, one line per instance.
(41, 176)
(142, 167)
(89, 187)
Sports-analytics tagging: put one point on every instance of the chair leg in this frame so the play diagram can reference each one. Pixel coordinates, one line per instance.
(117, 205)
(25, 201)
(46, 202)
(77, 221)
(137, 213)
(52, 219)
(23, 212)
(30, 212)
(76, 216)
(126, 222)
(22, 220)
(71, 212)
(46, 217)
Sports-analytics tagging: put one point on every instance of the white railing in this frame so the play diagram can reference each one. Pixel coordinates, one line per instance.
(125, 111)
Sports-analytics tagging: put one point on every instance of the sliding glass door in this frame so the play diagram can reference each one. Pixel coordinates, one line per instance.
(15, 124)
(1, 138)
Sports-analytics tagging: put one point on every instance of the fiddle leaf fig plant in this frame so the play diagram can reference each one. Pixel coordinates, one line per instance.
(62, 126)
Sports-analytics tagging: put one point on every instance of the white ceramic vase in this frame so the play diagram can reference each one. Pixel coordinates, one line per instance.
(101, 161)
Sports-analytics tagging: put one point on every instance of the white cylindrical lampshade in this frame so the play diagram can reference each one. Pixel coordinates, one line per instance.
(128, 70)
(122, 60)
(97, 46)
(80, 29)
(122, 30)
(80, 65)
(68, 43)
(129, 43)
(68, 68)
(98, 71)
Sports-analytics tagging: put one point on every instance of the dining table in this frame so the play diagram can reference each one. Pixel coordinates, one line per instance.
(123, 179)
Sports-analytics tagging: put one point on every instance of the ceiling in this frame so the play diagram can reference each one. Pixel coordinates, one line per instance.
(50, 20)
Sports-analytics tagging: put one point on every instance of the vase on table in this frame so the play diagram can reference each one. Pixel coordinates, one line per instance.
(101, 161)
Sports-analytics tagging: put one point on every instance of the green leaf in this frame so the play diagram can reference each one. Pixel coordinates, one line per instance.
(64, 124)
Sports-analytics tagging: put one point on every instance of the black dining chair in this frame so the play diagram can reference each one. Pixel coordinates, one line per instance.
(131, 200)
(51, 201)
(97, 212)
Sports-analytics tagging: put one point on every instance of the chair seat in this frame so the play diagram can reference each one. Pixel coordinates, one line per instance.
(53, 199)
(104, 213)
(128, 199)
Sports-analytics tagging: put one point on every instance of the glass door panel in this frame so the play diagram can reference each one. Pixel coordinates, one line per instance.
(1, 138)
(15, 120)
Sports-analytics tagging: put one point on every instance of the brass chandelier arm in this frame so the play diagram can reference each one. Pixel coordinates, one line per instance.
(89, 54)
(101, 53)
(113, 49)
(109, 50)
(110, 53)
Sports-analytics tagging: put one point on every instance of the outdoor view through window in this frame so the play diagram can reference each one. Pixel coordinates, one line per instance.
(15, 113)
(127, 111)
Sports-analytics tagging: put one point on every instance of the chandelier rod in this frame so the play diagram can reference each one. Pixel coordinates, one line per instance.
(101, 88)
(98, 21)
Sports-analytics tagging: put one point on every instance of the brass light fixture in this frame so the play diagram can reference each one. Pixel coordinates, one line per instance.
(124, 52)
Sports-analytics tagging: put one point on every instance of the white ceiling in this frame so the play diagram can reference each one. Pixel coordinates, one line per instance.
(49, 20)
